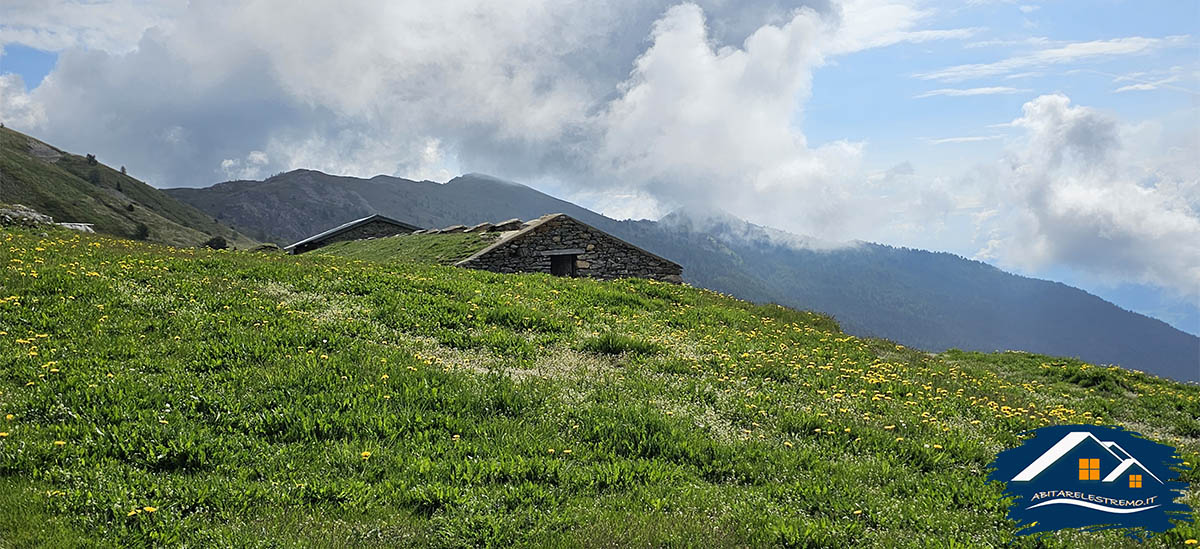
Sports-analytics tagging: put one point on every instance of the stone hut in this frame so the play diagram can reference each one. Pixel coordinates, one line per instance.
(374, 226)
(563, 246)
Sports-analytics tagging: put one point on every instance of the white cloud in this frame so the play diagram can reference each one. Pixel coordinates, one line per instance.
(1087, 192)
(703, 126)
(335, 89)
(964, 139)
(110, 25)
(257, 158)
(869, 24)
(1148, 80)
(1154, 84)
(1148, 86)
(960, 92)
(1068, 53)
(17, 108)
(250, 167)
(1040, 41)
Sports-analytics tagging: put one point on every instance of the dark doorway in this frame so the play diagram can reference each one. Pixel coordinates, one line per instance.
(562, 265)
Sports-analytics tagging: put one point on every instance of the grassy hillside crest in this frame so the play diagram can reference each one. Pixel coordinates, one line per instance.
(72, 188)
(152, 395)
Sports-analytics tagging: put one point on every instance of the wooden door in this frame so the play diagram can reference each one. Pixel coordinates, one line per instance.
(562, 265)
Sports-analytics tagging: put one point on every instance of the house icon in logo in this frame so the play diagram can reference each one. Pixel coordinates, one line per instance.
(1085, 458)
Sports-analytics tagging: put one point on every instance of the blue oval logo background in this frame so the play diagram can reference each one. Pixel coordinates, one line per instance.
(1091, 477)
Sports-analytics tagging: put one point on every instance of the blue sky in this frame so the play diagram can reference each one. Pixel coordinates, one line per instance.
(32, 64)
(1054, 139)
(872, 93)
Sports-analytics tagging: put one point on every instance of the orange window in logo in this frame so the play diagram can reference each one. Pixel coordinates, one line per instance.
(1089, 469)
(1135, 481)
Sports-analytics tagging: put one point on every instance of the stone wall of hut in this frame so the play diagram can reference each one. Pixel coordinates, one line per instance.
(599, 255)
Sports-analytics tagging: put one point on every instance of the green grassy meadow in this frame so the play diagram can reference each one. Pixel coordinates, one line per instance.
(157, 396)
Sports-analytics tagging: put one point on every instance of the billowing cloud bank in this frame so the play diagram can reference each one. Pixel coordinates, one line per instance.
(1085, 191)
(686, 103)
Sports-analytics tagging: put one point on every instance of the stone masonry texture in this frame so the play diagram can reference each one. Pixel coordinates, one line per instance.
(603, 256)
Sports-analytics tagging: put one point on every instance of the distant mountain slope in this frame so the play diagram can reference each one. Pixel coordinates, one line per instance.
(292, 206)
(72, 188)
(933, 301)
(929, 300)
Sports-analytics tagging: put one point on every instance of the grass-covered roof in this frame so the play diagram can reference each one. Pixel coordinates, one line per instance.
(440, 249)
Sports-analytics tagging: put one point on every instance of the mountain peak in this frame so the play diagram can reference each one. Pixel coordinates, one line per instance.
(700, 214)
(475, 177)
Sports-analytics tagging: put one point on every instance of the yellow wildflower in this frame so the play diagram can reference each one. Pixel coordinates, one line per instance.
(60, 443)
(365, 455)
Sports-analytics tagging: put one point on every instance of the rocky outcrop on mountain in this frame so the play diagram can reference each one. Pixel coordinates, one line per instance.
(18, 214)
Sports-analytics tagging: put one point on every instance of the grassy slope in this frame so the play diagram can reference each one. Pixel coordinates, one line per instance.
(62, 189)
(441, 249)
(237, 394)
